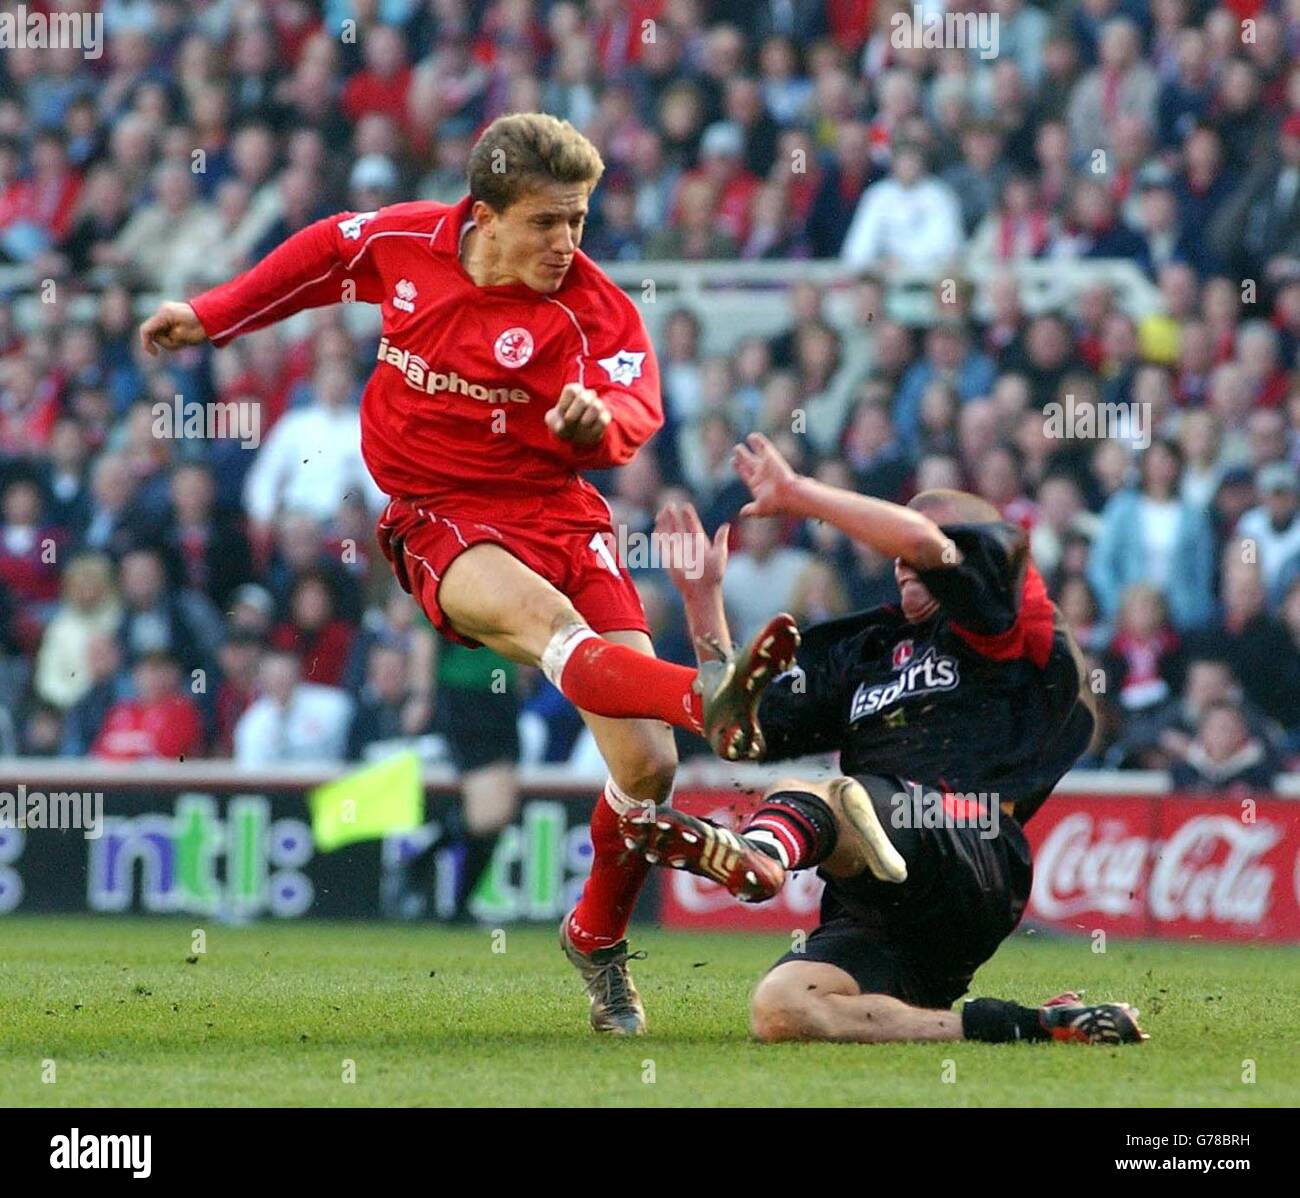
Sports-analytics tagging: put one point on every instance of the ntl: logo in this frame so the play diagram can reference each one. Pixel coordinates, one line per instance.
(178, 854)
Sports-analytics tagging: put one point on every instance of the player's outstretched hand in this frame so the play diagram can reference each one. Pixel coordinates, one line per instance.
(693, 561)
(173, 326)
(580, 416)
(770, 478)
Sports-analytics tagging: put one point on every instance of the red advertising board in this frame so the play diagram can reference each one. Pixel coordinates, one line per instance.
(1171, 866)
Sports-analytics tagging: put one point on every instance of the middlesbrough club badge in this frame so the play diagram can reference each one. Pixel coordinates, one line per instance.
(902, 654)
(514, 347)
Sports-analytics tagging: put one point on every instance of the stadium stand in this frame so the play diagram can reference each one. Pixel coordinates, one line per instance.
(911, 266)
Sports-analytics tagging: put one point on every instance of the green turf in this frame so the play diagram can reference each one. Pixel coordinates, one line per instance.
(269, 1015)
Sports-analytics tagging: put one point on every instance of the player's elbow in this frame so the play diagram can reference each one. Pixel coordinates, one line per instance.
(928, 548)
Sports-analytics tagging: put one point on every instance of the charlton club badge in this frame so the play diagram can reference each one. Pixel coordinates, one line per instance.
(514, 347)
(902, 654)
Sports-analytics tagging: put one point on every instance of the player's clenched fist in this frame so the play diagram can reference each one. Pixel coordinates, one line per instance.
(580, 416)
(173, 326)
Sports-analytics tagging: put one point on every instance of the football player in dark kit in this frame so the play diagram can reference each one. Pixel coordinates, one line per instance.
(955, 714)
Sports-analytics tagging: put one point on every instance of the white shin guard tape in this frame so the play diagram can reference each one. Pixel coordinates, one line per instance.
(622, 802)
(560, 648)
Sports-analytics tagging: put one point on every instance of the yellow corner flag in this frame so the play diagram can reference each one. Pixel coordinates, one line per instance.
(368, 804)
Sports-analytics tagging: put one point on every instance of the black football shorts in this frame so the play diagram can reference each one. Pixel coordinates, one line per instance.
(921, 941)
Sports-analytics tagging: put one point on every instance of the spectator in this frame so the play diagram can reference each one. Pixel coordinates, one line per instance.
(1018, 227)
(1203, 184)
(300, 548)
(28, 406)
(844, 179)
(1200, 443)
(818, 595)
(1247, 636)
(1225, 757)
(312, 633)
(109, 685)
(762, 578)
(1022, 36)
(911, 219)
(238, 660)
(1208, 681)
(1079, 607)
(293, 721)
(1287, 676)
(1186, 98)
(162, 244)
(1273, 528)
(871, 449)
(1143, 650)
(29, 549)
(329, 431)
(212, 554)
(1121, 85)
(1062, 515)
(694, 235)
(1166, 241)
(978, 180)
(949, 357)
(385, 709)
(160, 721)
(89, 608)
(1093, 228)
(1148, 534)
(158, 619)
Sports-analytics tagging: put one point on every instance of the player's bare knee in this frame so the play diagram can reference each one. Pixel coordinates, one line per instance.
(648, 777)
(777, 1013)
(770, 1022)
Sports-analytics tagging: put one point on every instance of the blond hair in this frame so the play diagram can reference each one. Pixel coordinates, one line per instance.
(524, 151)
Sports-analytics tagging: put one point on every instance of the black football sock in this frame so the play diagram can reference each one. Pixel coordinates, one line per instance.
(474, 863)
(793, 826)
(420, 867)
(996, 1021)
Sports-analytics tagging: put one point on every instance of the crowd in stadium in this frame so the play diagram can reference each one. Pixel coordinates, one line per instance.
(195, 585)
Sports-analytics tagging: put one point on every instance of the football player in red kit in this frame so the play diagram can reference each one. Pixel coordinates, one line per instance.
(508, 363)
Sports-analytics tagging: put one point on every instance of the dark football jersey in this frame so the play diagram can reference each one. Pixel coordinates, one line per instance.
(984, 697)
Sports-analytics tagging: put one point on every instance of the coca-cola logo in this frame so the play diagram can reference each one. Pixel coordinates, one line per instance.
(1193, 879)
(1208, 869)
(1073, 872)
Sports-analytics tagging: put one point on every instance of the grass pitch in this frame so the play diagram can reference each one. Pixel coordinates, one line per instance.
(271, 1015)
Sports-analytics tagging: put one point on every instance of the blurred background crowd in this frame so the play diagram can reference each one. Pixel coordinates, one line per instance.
(159, 596)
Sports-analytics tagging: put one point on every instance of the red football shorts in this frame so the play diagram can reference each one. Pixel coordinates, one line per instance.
(573, 552)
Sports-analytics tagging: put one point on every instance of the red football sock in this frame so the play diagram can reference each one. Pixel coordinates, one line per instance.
(600, 918)
(609, 679)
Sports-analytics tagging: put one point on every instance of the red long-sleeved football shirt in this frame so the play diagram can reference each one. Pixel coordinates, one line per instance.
(453, 411)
